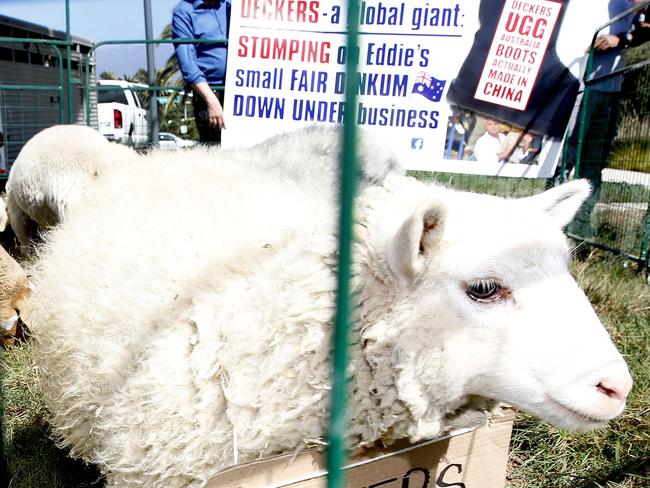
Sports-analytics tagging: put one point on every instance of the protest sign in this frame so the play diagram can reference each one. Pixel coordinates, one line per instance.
(431, 76)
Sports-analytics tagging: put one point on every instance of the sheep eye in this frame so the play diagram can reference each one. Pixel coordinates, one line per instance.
(484, 290)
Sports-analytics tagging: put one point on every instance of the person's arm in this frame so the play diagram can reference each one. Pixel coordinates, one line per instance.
(215, 110)
(186, 53)
(534, 149)
(528, 158)
(619, 29)
(607, 41)
(639, 34)
(508, 145)
(192, 74)
(505, 153)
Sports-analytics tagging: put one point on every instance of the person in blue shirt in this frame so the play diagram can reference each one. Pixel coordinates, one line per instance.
(638, 34)
(204, 64)
(600, 112)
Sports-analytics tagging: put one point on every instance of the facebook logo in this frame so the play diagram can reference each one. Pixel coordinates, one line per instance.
(417, 143)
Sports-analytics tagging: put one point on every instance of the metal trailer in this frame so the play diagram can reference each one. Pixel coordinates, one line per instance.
(33, 79)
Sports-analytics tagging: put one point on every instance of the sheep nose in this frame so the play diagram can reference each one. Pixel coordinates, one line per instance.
(616, 387)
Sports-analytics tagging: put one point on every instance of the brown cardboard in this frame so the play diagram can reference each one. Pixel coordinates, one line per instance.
(473, 458)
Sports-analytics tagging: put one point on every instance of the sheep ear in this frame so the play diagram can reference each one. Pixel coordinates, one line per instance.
(562, 202)
(418, 237)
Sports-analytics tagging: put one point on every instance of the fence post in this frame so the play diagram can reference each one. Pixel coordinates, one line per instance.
(151, 74)
(68, 54)
(336, 451)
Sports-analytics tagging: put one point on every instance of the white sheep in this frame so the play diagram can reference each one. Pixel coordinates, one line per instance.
(183, 316)
(51, 173)
(307, 156)
(4, 218)
(14, 289)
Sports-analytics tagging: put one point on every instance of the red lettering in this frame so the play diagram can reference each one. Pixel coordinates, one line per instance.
(242, 52)
(523, 27)
(283, 10)
(505, 92)
(538, 31)
(284, 49)
(515, 53)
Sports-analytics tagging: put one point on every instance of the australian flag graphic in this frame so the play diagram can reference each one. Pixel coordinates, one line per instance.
(429, 87)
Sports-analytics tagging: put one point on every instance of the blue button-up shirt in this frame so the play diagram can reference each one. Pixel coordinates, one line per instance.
(610, 60)
(196, 19)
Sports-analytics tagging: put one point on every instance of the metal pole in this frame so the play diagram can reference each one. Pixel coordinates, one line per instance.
(151, 72)
(584, 107)
(336, 451)
(68, 55)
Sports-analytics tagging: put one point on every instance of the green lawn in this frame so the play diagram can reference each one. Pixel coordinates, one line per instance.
(34, 461)
(630, 155)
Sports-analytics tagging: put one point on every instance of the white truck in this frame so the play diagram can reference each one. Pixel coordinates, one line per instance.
(120, 114)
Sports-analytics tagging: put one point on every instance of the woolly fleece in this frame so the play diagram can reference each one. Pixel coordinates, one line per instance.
(183, 313)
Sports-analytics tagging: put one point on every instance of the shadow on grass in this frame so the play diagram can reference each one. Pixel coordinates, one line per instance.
(636, 472)
(35, 461)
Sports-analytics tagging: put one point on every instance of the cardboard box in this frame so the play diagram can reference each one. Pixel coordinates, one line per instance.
(471, 458)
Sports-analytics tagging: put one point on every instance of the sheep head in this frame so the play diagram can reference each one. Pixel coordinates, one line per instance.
(485, 305)
(14, 290)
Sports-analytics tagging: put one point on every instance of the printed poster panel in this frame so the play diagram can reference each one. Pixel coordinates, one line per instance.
(515, 55)
(474, 86)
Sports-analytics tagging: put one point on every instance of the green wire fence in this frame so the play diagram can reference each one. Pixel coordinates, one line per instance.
(613, 153)
(336, 451)
(54, 45)
(24, 106)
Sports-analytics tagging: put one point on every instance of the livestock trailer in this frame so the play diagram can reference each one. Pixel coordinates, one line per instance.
(33, 81)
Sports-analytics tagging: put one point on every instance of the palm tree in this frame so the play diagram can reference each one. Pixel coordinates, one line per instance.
(108, 75)
(171, 75)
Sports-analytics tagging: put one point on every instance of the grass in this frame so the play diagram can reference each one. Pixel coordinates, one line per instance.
(631, 147)
(619, 226)
(541, 456)
(34, 461)
(614, 192)
(631, 154)
(493, 185)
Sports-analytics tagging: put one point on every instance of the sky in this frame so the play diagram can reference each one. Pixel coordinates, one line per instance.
(101, 20)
